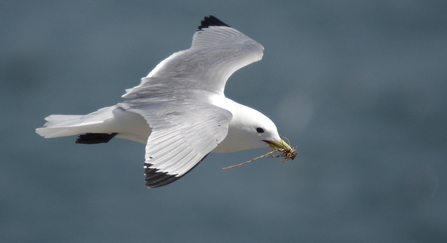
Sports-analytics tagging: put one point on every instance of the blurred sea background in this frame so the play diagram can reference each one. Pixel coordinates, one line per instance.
(360, 86)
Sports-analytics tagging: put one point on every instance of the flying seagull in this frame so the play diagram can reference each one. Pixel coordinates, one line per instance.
(179, 110)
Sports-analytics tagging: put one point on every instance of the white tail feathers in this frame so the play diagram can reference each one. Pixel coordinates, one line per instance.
(68, 125)
(112, 119)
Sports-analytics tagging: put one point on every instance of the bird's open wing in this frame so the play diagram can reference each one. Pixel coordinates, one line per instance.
(217, 51)
(182, 135)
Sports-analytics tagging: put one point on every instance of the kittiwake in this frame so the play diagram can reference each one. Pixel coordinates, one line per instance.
(179, 109)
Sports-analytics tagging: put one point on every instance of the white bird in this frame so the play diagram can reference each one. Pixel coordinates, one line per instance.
(179, 110)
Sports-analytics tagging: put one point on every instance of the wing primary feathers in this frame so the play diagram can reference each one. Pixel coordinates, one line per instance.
(158, 179)
(211, 21)
(155, 178)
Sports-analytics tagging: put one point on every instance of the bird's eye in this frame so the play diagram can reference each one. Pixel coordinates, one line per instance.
(260, 130)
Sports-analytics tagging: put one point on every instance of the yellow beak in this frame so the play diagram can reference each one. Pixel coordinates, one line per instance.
(281, 144)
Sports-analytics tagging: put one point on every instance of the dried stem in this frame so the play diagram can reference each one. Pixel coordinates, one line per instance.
(246, 162)
(288, 155)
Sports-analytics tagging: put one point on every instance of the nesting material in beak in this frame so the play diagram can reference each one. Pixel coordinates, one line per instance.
(284, 149)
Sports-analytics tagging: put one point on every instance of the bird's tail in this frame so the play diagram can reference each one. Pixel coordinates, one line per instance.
(68, 125)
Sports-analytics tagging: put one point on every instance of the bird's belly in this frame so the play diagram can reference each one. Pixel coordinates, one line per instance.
(130, 125)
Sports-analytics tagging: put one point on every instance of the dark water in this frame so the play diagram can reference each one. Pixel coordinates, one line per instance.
(358, 85)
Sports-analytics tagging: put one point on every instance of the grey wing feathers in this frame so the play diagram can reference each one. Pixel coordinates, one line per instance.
(216, 53)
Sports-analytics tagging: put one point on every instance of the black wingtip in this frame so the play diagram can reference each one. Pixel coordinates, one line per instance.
(156, 178)
(95, 138)
(211, 21)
